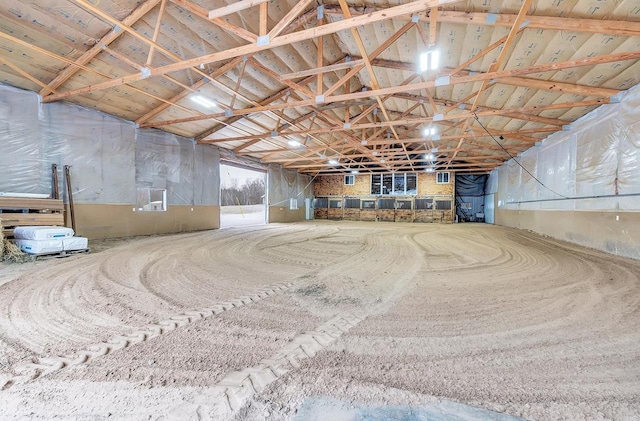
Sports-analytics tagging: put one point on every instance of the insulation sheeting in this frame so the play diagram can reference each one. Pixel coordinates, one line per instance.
(109, 157)
(285, 185)
(98, 147)
(23, 167)
(593, 165)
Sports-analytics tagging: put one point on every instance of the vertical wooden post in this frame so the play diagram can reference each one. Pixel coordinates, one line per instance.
(55, 192)
(72, 215)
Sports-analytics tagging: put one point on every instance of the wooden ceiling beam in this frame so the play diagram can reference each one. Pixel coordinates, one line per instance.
(278, 95)
(372, 56)
(331, 28)
(106, 40)
(589, 61)
(363, 51)
(341, 65)
(292, 15)
(585, 25)
(79, 66)
(156, 32)
(407, 166)
(497, 64)
(553, 86)
(25, 75)
(194, 87)
(232, 8)
(594, 26)
(222, 23)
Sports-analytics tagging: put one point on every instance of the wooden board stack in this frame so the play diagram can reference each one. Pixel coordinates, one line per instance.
(21, 211)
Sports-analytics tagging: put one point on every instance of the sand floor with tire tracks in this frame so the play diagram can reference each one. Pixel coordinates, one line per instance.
(340, 319)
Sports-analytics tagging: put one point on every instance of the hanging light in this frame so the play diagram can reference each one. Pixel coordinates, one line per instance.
(333, 161)
(294, 143)
(429, 157)
(355, 172)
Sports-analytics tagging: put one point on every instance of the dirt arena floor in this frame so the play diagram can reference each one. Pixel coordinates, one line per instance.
(323, 320)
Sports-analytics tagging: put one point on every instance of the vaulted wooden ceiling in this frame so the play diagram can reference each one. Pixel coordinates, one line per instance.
(332, 86)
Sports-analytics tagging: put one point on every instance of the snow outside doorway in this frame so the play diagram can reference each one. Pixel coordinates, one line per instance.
(242, 196)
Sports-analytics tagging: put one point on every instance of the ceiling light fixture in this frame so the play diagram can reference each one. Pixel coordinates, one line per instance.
(429, 60)
(430, 169)
(294, 143)
(333, 161)
(429, 157)
(205, 102)
(430, 131)
(355, 172)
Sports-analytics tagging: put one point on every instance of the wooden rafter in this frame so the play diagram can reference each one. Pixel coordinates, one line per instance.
(156, 31)
(222, 23)
(106, 40)
(541, 68)
(331, 28)
(236, 7)
(497, 64)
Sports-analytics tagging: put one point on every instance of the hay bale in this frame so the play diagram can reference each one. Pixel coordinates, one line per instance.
(11, 253)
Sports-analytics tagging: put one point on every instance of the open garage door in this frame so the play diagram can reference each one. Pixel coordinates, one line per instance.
(242, 196)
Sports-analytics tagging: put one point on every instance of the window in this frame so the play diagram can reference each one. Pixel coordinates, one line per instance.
(335, 204)
(376, 184)
(349, 180)
(412, 183)
(368, 204)
(293, 203)
(152, 200)
(442, 178)
(443, 204)
(320, 203)
(403, 204)
(352, 203)
(387, 183)
(424, 203)
(386, 203)
(399, 183)
(394, 184)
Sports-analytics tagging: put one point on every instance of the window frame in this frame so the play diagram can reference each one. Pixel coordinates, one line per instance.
(442, 173)
(353, 180)
(392, 176)
(149, 190)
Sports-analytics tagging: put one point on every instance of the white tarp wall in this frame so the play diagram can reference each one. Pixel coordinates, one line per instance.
(285, 185)
(595, 165)
(592, 166)
(109, 157)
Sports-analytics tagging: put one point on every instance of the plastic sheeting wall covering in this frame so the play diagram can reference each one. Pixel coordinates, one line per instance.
(109, 157)
(288, 184)
(595, 165)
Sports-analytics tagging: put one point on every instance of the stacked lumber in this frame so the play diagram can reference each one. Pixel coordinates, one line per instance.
(23, 211)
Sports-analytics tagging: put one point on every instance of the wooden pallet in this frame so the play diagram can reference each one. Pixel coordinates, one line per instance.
(59, 254)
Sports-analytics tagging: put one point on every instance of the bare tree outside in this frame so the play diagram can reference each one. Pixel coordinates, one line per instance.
(242, 196)
(248, 192)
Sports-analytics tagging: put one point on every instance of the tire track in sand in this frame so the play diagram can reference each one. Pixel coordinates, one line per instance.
(391, 279)
(45, 366)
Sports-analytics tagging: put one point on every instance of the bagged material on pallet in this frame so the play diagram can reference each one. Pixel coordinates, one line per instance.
(74, 243)
(41, 233)
(40, 246)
